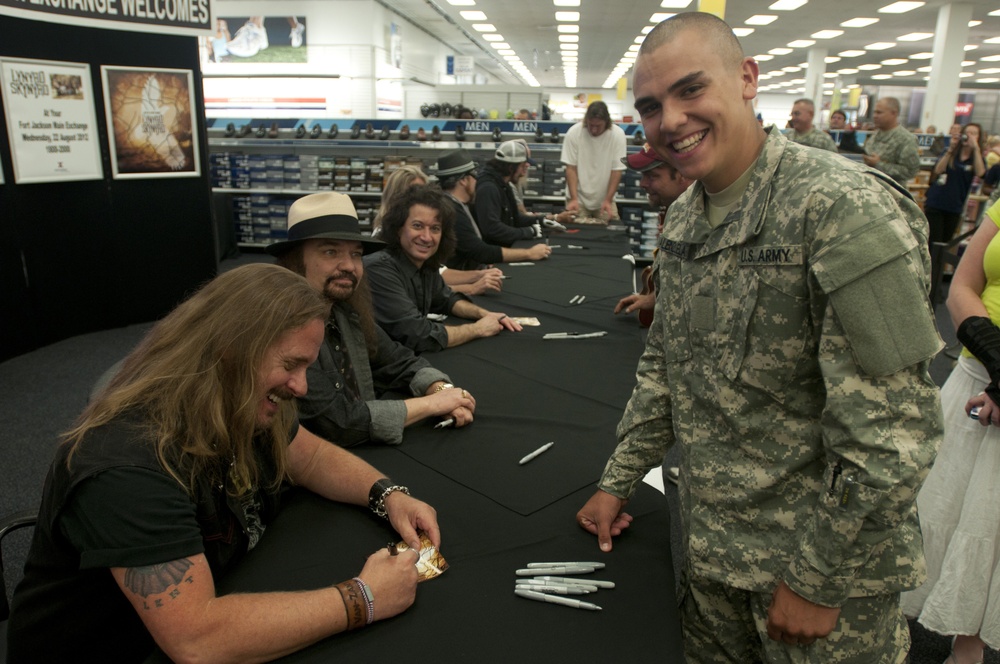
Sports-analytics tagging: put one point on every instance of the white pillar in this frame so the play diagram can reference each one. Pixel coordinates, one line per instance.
(815, 68)
(949, 50)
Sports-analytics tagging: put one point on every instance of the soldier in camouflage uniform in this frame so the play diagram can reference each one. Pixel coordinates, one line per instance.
(892, 149)
(803, 131)
(788, 358)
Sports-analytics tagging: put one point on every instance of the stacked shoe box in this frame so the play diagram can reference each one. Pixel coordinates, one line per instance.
(324, 171)
(342, 173)
(650, 232)
(260, 212)
(359, 174)
(258, 171)
(243, 219)
(533, 179)
(553, 177)
(630, 188)
(631, 216)
(275, 171)
(375, 174)
(278, 208)
(230, 170)
(366, 208)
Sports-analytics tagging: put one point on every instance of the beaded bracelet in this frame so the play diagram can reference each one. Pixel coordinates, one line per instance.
(369, 599)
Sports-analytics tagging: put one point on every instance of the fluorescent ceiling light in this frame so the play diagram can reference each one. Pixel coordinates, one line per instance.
(763, 57)
(484, 27)
(830, 59)
(791, 70)
(660, 17)
(471, 15)
(787, 5)
(851, 54)
(494, 37)
(511, 58)
(742, 32)
(904, 73)
(648, 29)
(991, 58)
(828, 85)
(966, 74)
(462, 3)
(568, 28)
(900, 7)
(499, 45)
(922, 56)
(506, 51)
(640, 39)
(761, 19)
(869, 67)
(675, 4)
(826, 34)
(989, 80)
(570, 47)
(992, 40)
(569, 38)
(859, 22)
(881, 77)
(892, 62)
(924, 70)
(568, 17)
(780, 51)
(916, 36)
(968, 63)
(991, 70)
(566, 3)
(995, 12)
(634, 48)
(831, 74)
(973, 24)
(847, 71)
(801, 43)
(970, 47)
(880, 46)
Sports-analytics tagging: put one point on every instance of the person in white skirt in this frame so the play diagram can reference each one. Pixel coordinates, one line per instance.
(959, 505)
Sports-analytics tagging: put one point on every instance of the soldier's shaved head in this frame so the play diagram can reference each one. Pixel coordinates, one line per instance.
(714, 29)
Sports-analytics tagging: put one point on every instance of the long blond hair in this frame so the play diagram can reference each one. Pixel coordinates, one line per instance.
(194, 381)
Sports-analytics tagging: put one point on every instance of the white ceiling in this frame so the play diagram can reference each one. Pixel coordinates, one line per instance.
(608, 28)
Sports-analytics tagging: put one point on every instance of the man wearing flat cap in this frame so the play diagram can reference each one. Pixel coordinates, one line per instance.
(457, 177)
(499, 220)
(358, 362)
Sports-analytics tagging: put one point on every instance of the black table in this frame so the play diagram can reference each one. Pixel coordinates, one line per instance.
(495, 515)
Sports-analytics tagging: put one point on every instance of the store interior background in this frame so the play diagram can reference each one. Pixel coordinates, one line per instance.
(83, 256)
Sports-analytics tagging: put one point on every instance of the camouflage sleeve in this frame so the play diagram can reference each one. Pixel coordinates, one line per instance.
(882, 417)
(880, 435)
(646, 430)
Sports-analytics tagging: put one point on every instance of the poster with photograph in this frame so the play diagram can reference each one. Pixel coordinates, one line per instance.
(150, 122)
(51, 120)
(256, 39)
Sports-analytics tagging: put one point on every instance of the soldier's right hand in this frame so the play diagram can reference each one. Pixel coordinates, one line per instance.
(539, 252)
(603, 516)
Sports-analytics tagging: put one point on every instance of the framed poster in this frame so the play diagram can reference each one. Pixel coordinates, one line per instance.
(151, 124)
(51, 120)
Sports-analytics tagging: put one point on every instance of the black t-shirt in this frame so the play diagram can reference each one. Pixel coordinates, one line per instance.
(115, 507)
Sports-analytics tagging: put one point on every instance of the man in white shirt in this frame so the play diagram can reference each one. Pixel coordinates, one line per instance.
(592, 152)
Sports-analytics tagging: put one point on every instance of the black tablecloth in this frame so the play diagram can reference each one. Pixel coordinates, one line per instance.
(495, 515)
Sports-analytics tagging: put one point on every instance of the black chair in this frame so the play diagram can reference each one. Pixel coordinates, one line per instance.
(9, 524)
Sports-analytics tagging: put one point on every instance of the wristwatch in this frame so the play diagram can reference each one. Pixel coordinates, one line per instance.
(443, 386)
(379, 492)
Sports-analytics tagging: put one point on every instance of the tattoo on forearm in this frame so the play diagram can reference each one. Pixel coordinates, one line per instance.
(157, 579)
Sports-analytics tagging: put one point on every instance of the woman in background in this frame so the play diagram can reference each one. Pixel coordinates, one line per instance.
(951, 181)
(959, 504)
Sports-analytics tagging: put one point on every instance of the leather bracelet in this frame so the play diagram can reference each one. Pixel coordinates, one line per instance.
(379, 507)
(354, 604)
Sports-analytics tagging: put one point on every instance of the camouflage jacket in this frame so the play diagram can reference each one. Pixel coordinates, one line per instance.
(814, 138)
(788, 357)
(897, 149)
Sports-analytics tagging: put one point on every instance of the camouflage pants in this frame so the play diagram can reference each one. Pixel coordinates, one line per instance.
(726, 624)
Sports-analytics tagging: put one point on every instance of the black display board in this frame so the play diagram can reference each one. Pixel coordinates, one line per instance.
(76, 257)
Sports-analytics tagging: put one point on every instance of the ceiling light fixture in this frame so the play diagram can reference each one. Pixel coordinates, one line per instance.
(473, 15)
(859, 22)
(568, 28)
(742, 32)
(880, 46)
(484, 27)
(915, 36)
(901, 7)
(761, 19)
(801, 43)
(826, 34)
(660, 17)
(568, 17)
(787, 5)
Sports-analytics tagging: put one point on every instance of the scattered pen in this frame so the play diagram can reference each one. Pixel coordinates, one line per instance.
(556, 599)
(520, 263)
(504, 276)
(574, 246)
(582, 298)
(558, 590)
(554, 570)
(573, 335)
(572, 581)
(445, 423)
(573, 299)
(531, 456)
(569, 564)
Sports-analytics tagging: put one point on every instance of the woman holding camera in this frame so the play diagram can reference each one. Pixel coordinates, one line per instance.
(952, 179)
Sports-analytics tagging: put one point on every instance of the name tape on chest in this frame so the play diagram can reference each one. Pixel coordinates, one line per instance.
(773, 255)
(679, 249)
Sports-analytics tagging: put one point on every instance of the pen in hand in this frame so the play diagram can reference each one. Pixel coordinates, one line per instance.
(445, 423)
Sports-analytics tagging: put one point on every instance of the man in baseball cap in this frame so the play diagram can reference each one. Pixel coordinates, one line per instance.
(499, 220)
(325, 245)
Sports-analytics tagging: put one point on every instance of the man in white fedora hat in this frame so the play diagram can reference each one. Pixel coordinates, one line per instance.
(325, 245)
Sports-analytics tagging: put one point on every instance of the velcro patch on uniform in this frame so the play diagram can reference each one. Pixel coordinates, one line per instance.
(678, 249)
(772, 255)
